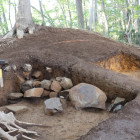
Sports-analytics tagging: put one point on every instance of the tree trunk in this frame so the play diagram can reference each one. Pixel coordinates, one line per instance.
(80, 16)
(93, 14)
(24, 21)
(41, 10)
(137, 30)
(105, 18)
(5, 21)
(10, 13)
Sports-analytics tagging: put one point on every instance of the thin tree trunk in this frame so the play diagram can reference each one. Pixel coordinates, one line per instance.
(68, 3)
(80, 15)
(63, 11)
(5, 21)
(41, 10)
(10, 13)
(15, 9)
(1, 25)
(105, 18)
(137, 30)
(48, 19)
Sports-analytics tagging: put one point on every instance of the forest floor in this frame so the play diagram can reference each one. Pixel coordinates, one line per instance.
(76, 54)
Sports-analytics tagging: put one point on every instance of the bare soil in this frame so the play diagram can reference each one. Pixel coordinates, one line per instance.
(70, 125)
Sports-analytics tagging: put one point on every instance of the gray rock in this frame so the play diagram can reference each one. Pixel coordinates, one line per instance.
(66, 83)
(27, 68)
(15, 96)
(59, 79)
(85, 95)
(27, 85)
(14, 68)
(64, 93)
(117, 108)
(117, 101)
(45, 84)
(7, 68)
(52, 106)
(17, 108)
(35, 92)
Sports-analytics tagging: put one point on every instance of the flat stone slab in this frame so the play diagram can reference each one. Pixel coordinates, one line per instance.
(17, 108)
(13, 96)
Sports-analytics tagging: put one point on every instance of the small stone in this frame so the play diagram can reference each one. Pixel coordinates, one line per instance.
(117, 101)
(27, 68)
(15, 95)
(59, 79)
(46, 84)
(52, 106)
(37, 74)
(85, 95)
(26, 75)
(53, 94)
(36, 83)
(117, 108)
(55, 86)
(49, 69)
(7, 68)
(66, 83)
(35, 92)
(17, 108)
(14, 68)
(64, 93)
(45, 93)
(27, 85)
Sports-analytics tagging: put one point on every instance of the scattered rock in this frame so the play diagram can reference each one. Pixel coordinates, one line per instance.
(52, 106)
(14, 68)
(7, 68)
(53, 94)
(35, 92)
(66, 83)
(117, 101)
(64, 93)
(55, 86)
(27, 68)
(27, 85)
(85, 95)
(117, 108)
(15, 95)
(45, 93)
(46, 84)
(36, 83)
(17, 108)
(49, 69)
(59, 79)
(37, 74)
(26, 75)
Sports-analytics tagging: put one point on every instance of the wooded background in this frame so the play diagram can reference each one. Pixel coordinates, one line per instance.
(117, 19)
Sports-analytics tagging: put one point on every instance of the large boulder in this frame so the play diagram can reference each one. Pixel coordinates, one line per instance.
(52, 106)
(85, 95)
(35, 92)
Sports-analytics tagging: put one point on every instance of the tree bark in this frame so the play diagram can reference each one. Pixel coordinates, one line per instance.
(10, 13)
(93, 14)
(80, 15)
(24, 21)
(105, 18)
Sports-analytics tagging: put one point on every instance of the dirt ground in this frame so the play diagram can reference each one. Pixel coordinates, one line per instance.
(70, 125)
(75, 54)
